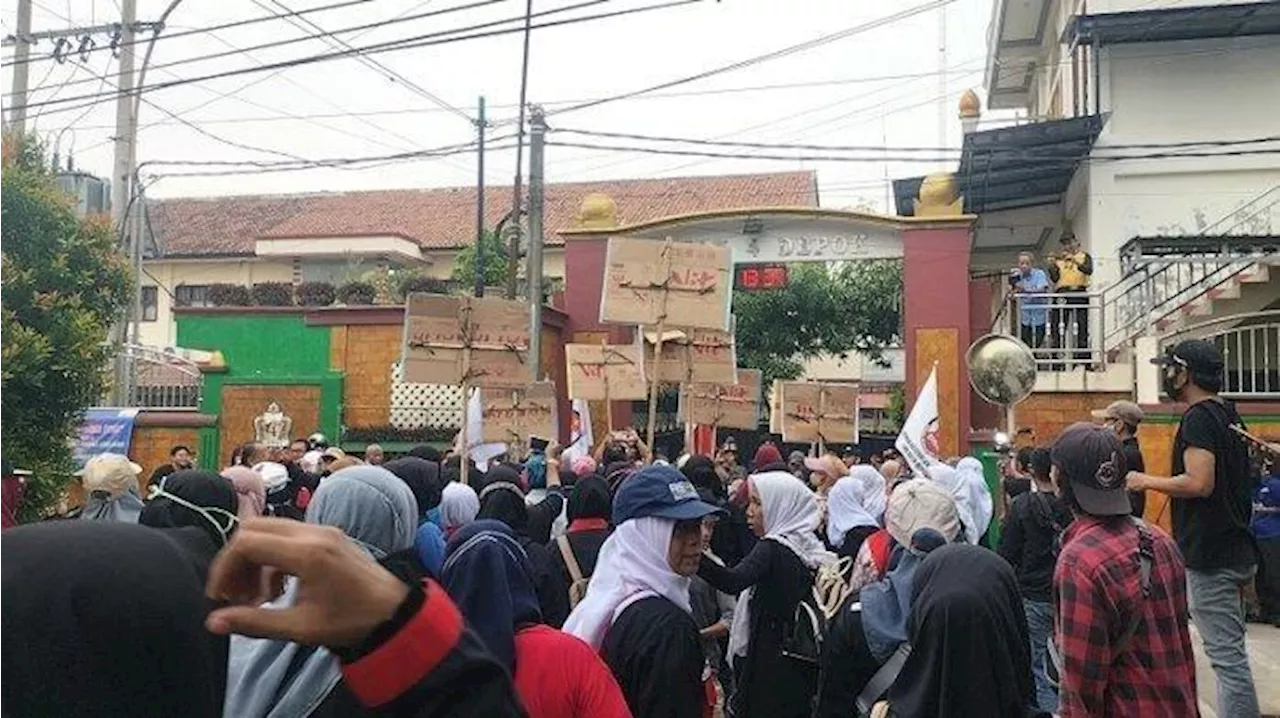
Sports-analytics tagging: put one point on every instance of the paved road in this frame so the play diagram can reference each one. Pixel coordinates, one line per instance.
(1264, 656)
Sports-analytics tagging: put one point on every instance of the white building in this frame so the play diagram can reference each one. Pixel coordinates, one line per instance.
(1147, 129)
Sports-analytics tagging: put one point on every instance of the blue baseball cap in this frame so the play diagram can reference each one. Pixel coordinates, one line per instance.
(660, 491)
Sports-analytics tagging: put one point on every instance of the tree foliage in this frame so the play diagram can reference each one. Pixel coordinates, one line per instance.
(65, 283)
(826, 309)
(494, 254)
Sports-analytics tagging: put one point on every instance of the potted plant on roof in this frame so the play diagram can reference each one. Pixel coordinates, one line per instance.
(357, 293)
(316, 294)
(229, 295)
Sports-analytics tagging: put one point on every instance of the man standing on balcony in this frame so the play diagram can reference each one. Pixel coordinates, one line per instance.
(1211, 495)
(1070, 271)
(1030, 284)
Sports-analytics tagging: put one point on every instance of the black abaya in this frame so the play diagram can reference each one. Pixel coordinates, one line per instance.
(970, 654)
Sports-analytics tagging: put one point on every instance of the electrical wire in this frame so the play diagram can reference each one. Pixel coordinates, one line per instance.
(776, 54)
(391, 74)
(417, 156)
(394, 45)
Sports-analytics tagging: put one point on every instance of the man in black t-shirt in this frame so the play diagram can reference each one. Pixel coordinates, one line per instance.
(1210, 493)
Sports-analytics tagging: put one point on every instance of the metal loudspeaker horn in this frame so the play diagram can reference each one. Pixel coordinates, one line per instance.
(1001, 369)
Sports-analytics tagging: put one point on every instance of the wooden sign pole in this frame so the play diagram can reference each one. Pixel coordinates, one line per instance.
(653, 387)
(608, 407)
(822, 411)
(465, 461)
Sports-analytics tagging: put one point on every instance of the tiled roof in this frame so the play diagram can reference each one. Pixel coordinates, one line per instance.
(444, 218)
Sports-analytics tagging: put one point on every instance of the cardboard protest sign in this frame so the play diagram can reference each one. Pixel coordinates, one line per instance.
(735, 406)
(819, 412)
(695, 355)
(775, 407)
(652, 283)
(513, 415)
(455, 340)
(606, 372)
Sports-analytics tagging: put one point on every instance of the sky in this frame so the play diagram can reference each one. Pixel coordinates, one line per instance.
(879, 88)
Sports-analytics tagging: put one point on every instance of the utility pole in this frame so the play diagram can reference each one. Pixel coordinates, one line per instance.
(122, 176)
(479, 252)
(533, 270)
(21, 69)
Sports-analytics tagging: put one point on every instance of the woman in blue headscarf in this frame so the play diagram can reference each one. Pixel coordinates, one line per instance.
(489, 577)
(423, 479)
(375, 510)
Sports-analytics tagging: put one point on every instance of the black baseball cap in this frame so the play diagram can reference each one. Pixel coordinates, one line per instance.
(1196, 355)
(661, 491)
(1091, 457)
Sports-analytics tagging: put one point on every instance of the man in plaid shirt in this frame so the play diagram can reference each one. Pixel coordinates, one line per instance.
(1125, 651)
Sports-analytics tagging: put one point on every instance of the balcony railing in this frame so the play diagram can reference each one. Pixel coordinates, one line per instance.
(1250, 346)
(157, 379)
(1062, 329)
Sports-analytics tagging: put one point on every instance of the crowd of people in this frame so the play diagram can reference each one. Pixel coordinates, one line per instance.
(302, 581)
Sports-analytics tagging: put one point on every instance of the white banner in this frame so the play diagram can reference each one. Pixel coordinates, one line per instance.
(918, 442)
(581, 439)
(481, 453)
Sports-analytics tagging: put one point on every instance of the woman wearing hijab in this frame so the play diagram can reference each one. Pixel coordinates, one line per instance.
(502, 499)
(459, 505)
(105, 620)
(849, 522)
(875, 490)
(590, 507)
(982, 506)
(192, 497)
(870, 625)
(636, 612)
(427, 452)
(770, 582)
(489, 577)
(251, 492)
(423, 479)
(968, 634)
(111, 485)
(731, 538)
(375, 510)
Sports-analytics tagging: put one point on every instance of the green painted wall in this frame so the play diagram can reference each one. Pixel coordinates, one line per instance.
(263, 350)
(276, 345)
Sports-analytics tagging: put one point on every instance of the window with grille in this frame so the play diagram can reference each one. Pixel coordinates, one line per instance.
(150, 297)
(192, 295)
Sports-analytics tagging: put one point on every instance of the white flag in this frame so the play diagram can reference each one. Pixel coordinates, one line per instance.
(480, 452)
(581, 439)
(918, 441)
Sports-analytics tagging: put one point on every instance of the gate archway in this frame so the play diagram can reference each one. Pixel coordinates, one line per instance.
(934, 246)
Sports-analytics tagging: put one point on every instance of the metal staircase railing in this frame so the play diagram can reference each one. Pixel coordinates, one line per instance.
(1160, 276)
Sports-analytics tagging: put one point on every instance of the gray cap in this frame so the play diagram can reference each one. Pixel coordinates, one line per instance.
(921, 504)
(1126, 411)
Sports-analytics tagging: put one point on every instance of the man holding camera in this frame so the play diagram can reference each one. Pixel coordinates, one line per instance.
(1070, 271)
(1029, 285)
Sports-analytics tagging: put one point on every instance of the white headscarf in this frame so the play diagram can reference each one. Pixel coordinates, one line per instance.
(967, 502)
(846, 509)
(632, 565)
(875, 495)
(983, 508)
(459, 505)
(791, 517)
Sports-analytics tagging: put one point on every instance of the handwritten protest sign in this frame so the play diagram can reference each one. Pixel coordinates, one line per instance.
(512, 415)
(695, 355)
(735, 406)
(819, 412)
(652, 283)
(466, 341)
(606, 372)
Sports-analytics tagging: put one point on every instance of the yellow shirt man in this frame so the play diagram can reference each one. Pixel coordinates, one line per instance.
(1072, 268)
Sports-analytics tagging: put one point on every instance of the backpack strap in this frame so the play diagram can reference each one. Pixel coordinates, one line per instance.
(883, 679)
(570, 561)
(1146, 557)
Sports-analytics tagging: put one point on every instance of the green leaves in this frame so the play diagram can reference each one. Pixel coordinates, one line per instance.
(827, 309)
(65, 283)
(495, 262)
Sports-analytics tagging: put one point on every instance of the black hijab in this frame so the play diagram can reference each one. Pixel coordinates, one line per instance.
(701, 472)
(502, 499)
(426, 451)
(204, 489)
(489, 577)
(590, 499)
(423, 478)
(968, 633)
(105, 619)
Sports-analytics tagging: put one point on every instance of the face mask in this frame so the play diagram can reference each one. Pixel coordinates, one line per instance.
(1169, 382)
(208, 513)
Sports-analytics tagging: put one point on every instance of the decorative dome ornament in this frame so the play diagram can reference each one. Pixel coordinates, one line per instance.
(970, 105)
(938, 197)
(597, 211)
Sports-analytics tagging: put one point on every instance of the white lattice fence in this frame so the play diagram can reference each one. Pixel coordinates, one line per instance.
(417, 406)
